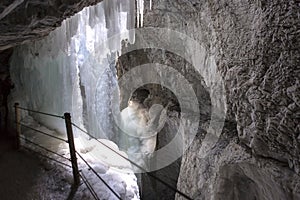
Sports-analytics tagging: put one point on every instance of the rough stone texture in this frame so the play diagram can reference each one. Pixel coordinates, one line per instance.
(152, 189)
(256, 46)
(33, 19)
(261, 68)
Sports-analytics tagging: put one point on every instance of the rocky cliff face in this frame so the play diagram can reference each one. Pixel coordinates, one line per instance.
(256, 48)
(26, 20)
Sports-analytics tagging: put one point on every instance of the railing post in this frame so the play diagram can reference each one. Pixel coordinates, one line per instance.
(18, 125)
(72, 148)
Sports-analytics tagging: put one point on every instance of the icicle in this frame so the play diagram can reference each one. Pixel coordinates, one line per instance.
(140, 12)
(150, 4)
(130, 14)
(81, 46)
(107, 10)
(137, 13)
(131, 21)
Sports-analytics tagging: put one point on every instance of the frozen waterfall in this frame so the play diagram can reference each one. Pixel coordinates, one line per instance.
(72, 70)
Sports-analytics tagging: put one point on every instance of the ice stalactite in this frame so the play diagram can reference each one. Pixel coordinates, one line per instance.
(140, 8)
(71, 69)
(140, 12)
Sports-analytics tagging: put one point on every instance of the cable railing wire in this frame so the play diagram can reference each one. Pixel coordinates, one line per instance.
(42, 113)
(36, 130)
(85, 180)
(106, 184)
(42, 155)
(89, 186)
(44, 148)
(48, 150)
(133, 163)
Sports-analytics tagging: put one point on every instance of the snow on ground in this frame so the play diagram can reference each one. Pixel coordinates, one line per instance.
(115, 170)
(72, 70)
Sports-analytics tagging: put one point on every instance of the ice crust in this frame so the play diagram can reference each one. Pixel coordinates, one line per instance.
(113, 169)
(72, 70)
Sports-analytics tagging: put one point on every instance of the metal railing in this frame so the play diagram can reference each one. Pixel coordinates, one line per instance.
(77, 174)
(135, 164)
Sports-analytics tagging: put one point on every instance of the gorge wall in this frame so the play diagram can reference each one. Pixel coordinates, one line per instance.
(255, 45)
(256, 49)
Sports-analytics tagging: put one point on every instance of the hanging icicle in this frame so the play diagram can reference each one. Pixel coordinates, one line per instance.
(140, 12)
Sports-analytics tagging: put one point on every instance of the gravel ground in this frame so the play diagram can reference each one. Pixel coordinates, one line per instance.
(25, 176)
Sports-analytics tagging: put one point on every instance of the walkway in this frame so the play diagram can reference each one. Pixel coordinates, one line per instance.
(23, 176)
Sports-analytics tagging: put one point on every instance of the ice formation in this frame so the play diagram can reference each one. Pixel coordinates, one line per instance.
(77, 60)
(114, 170)
(140, 4)
(139, 128)
(140, 12)
(72, 70)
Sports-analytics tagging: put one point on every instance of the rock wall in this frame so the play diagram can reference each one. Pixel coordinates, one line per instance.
(152, 189)
(256, 46)
(26, 20)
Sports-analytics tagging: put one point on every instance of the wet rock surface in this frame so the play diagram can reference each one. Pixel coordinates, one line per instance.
(26, 20)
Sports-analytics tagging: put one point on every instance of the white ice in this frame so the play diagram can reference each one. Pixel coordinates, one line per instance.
(114, 170)
(139, 129)
(72, 70)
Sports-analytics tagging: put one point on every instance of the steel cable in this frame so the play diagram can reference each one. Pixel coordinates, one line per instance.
(44, 148)
(58, 138)
(132, 162)
(85, 180)
(40, 154)
(89, 186)
(106, 184)
(138, 166)
(39, 112)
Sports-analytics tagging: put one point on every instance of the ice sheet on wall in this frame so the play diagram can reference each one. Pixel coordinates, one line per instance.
(64, 71)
